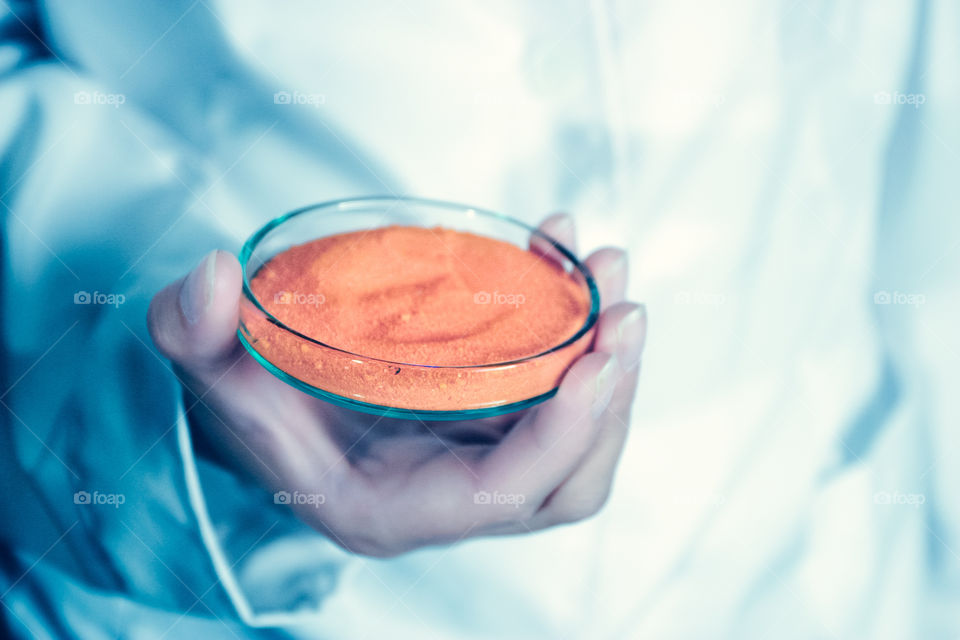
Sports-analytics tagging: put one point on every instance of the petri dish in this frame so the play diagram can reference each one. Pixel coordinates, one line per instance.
(323, 367)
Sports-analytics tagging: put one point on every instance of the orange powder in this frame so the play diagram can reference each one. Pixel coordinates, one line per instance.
(448, 299)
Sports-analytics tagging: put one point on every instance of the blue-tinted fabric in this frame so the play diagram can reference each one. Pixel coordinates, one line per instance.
(784, 175)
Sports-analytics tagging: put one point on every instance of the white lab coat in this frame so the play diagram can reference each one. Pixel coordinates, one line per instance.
(783, 174)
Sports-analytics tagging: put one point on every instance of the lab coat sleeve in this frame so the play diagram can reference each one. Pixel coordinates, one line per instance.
(102, 205)
(916, 297)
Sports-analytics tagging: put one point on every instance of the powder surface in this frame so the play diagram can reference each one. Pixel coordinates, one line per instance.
(418, 295)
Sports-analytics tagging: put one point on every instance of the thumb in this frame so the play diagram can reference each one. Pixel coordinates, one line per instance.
(193, 321)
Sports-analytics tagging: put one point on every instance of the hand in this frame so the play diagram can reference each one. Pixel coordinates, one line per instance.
(381, 486)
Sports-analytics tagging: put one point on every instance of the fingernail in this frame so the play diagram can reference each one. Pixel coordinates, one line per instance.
(563, 222)
(196, 294)
(616, 265)
(604, 387)
(632, 336)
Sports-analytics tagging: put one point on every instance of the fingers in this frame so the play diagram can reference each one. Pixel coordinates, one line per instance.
(609, 268)
(560, 227)
(608, 265)
(484, 490)
(193, 321)
(622, 331)
(545, 446)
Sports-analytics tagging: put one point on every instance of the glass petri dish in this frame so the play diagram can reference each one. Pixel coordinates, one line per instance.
(383, 387)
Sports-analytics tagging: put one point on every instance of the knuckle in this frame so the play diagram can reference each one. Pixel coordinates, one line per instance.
(508, 515)
(526, 510)
(582, 509)
(505, 507)
(576, 513)
(361, 541)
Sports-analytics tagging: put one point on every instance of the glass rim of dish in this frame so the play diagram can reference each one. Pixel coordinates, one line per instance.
(346, 204)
